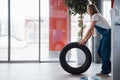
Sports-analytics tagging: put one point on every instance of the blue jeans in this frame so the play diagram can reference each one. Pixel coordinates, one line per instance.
(104, 49)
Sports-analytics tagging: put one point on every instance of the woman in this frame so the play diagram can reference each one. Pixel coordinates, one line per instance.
(101, 25)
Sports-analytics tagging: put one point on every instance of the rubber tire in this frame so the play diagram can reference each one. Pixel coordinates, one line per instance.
(75, 70)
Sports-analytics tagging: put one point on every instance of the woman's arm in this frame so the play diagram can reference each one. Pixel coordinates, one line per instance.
(89, 33)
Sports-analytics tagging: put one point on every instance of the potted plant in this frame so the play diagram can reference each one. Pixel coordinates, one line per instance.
(79, 7)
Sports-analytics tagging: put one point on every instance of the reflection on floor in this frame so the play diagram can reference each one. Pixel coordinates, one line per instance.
(46, 71)
(96, 78)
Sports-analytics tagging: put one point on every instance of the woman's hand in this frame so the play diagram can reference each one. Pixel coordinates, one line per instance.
(83, 41)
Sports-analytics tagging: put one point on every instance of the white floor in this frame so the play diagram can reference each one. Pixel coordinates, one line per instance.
(45, 71)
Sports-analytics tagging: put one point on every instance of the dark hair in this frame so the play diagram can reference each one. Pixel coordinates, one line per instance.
(93, 9)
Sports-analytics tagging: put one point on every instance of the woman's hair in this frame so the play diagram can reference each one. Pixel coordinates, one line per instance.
(93, 9)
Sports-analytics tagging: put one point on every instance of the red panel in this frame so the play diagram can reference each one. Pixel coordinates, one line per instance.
(57, 25)
(112, 2)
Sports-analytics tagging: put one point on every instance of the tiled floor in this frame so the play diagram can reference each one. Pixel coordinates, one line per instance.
(45, 71)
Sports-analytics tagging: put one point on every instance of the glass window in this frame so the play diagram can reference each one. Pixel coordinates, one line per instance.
(106, 10)
(3, 30)
(44, 15)
(24, 30)
(53, 29)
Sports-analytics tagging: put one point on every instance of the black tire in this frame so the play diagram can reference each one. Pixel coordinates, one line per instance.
(75, 70)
